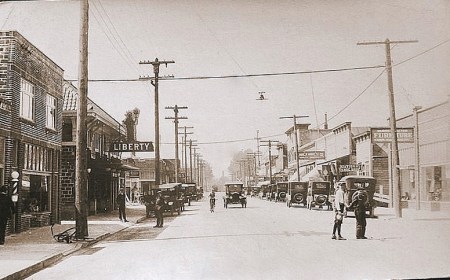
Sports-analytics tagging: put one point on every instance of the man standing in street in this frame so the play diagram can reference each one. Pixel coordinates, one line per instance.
(120, 199)
(360, 202)
(339, 208)
(6, 209)
(159, 210)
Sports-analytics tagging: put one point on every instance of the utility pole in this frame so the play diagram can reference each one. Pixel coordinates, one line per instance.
(269, 144)
(255, 176)
(155, 84)
(294, 117)
(176, 118)
(81, 192)
(257, 146)
(393, 123)
(190, 158)
(185, 150)
(417, 154)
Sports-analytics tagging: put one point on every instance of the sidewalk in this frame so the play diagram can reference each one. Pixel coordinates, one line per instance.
(28, 252)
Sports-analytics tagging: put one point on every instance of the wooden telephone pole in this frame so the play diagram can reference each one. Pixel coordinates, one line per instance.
(269, 144)
(185, 150)
(154, 82)
(294, 117)
(396, 195)
(176, 118)
(81, 197)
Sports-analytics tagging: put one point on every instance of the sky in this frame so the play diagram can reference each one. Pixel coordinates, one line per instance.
(246, 37)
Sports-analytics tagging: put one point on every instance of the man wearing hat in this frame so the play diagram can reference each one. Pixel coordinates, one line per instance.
(6, 209)
(120, 199)
(159, 210)
(360, 201)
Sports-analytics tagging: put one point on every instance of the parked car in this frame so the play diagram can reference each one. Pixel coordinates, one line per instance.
(282, 188)
(234, 194)
(200, 193)
(352, 183)
(321, 193)
(296, 193)
(191, 192)
(170, 193)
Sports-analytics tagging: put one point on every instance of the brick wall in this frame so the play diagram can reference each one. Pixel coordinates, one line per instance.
(67, 188)
(20, 59)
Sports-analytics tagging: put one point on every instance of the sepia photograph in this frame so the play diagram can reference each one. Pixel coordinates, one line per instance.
(225, 139)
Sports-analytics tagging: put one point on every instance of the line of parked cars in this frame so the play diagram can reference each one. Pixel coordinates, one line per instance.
(175, 195)
(295, 192)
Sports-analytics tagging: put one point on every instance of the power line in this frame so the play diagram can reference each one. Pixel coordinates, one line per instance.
(240, 76)
(274, 74)
(424, 52)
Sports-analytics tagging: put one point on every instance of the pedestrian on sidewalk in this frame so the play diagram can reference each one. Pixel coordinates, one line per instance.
(360, 201)
(120, 199)
(339, 209)
(6, 209)
(159, 210)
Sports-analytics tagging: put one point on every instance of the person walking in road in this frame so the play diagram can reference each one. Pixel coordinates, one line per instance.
(339, 208)
(120, 199)
(212, 200)
(6, 209)
(360, 201)
(159, 210)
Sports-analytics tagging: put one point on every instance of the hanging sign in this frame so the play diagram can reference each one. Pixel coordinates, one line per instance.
(131, 147)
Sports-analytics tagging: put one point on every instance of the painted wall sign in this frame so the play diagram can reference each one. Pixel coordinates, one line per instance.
(350, 167)
(404, 135)
(132, 147)
(311, 155)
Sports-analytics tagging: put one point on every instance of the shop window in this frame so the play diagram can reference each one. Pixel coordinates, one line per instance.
(35, 197)
(26, 100)
(50, 112)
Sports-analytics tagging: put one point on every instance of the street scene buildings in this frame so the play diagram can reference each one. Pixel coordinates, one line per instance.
(402, 158)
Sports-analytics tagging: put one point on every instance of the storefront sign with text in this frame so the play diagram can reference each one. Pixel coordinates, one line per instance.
(132, 147)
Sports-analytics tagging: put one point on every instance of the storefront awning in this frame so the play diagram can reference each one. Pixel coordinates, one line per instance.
(264, 183)
(169, 186)
(312, 175)
(294, 176)
(124, 167)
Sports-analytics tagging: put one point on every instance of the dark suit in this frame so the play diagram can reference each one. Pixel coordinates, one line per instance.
(6, 209)
(360, 201)
(159, 210)
(120, 199)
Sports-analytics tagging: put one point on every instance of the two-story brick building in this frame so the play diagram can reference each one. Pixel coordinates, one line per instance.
(31, 102)
(105, 170)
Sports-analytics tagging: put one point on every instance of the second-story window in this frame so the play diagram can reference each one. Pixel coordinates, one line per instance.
(51, 112)
(26, 100)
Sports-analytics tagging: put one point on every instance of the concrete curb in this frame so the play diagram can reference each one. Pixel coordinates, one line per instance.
(35, 268)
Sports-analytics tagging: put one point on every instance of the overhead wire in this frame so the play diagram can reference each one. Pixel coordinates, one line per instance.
(127, 51)
(112, 38)
(7, 17)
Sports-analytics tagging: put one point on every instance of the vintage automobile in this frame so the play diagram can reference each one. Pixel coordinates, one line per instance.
(352, 183)
(263, 189)
(199, 193)
(321, 193)
(171, 195)
(191, 192)
(272, 192)
(296, 193)
(282, 188)
(234, 194)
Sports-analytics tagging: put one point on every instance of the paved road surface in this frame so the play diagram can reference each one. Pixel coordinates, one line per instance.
(266, 240)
